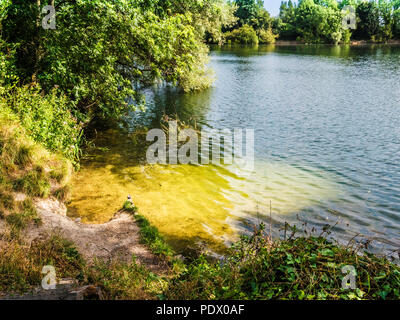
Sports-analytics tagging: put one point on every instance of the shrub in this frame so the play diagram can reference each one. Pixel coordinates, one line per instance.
(7, 66)
(47, 119)
(295, 269)
(267, 36)
(346, 36)
(243, 35)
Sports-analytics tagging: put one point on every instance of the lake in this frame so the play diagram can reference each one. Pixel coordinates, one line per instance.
(327, 150)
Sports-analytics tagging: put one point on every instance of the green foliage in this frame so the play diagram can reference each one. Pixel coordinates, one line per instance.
(248, 10)
(320, 21)
(386, 15)
(297, 269)
(119, 281)
(252, 16)
(367, 20)
(47, 119)
(317, 23)
(8, 75)
(150, 236)
(26, 166)
(346, 36)
(100, 48)
(267, 36)
(396, 24)
(3, 8)
(243, 35)
(209, 17)
(285, 25)
(129, 207)
(21, 265)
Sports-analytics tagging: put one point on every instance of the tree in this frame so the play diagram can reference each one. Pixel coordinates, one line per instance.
(386, 16)
(243, 35)
(367, 20)
(396, 24)
(248, 10)
(319, 23)
(7, 69)
(286, 26)
(102, 47)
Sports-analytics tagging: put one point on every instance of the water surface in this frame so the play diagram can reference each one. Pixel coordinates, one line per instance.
(327, 146)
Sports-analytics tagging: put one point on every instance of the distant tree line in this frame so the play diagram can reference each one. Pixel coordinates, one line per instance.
(321, 21)
(315, 21)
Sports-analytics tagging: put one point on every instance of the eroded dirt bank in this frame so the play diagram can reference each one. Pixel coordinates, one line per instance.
(116, 240)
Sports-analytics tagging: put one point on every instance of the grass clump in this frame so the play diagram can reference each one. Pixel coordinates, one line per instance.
(119, 281)
(26, 166)
(34, 183)
(21, 265)
(296, 269)
(6, 200)
(25, 213)
(150, 236)
(62, 193)
(130, 207)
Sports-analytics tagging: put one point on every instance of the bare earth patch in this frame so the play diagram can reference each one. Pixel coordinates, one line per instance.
(117, 239)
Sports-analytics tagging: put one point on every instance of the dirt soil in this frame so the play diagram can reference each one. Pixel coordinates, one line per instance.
(117, 239)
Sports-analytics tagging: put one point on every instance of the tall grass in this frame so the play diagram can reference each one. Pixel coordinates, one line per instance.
(26, 167)
(21, 264)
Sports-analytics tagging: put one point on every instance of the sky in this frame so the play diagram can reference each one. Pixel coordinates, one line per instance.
(272, 6)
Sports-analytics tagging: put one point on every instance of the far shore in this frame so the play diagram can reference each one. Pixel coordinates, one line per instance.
(352, 43)
(302, 43)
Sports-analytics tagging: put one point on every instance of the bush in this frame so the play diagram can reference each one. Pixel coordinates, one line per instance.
(295, 269)
(267, 36)
(346, 36)
(243, 35)
(7, 66)
(47, 119)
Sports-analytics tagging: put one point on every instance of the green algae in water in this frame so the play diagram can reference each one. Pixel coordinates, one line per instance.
(187, 203)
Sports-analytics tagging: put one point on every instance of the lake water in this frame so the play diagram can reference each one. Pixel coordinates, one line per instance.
(327, 149)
